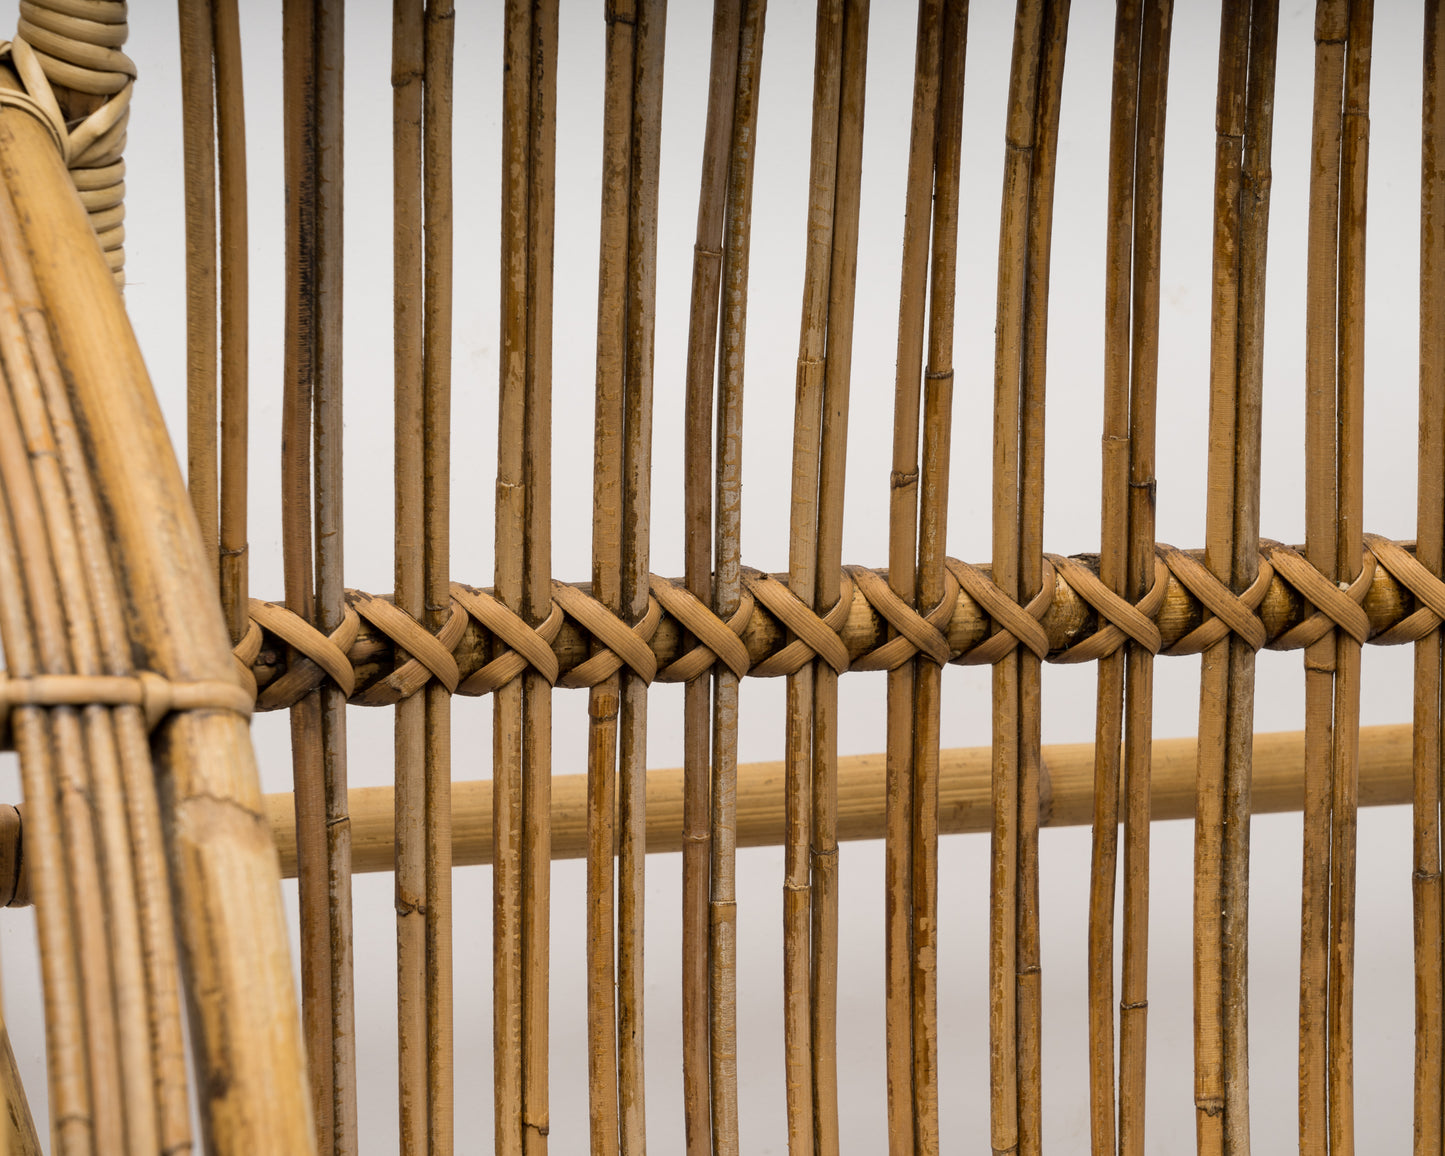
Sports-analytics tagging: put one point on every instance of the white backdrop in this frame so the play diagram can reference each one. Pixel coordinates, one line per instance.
(1384, 1010)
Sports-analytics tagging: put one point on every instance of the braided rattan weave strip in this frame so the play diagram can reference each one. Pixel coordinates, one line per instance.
(483, 646)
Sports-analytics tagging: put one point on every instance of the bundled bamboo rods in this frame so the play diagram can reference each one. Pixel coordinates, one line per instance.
(116, 783)
(1138, 722)
(1014, 715)
(1242, 158)
(1028, 964)
(802, 574)
(1430, 552)
(313, 545)
(902, 568)
(436, 504)
(233, 938)
(727, 582)
(837, 368)
(964, 797)
(408, 90)
(646, 150)
(697, 555)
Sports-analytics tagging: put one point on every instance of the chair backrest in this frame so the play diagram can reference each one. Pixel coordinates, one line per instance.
(113, 630)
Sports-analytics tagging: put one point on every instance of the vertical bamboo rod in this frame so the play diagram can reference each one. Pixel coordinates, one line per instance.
(436, 567)
(509, 869)
(697, 555)
(1139, 672)
(1028, 964)
(646, 150)
(1113, 562)
(198, 126)
(727, 582)
(837, 369)
(1430, 552)
(537, 579)
(932, 528)
(602, 702)
(235, 358)
(1354, 161)
(1009, 697)
(802, 573)
(1322, 539)
(902, 564)
(409, 426)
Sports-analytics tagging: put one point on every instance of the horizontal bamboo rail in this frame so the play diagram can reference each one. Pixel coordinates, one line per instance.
(963, 803)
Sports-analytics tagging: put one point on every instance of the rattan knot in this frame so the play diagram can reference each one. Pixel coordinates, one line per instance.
(814, 637)
(1017, 625)
(918, 634)
(717, 641)
(429, 655)
(1122, 619)
(525, 646)
(1334, 606)
(1411, 574)
(621, 644)
(156, 695)
(321, 657)
(1232, 613)
(245, 654)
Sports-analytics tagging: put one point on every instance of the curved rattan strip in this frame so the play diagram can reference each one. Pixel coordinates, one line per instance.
(1017, 625)
(1403, 567)
(917, 634)
(322, 656)
(1232, 612)
(621, 643)
(246, 652)
(526, 646)
(718, 641)
(430, 655)
(816, 637)
(1333, 606)
(1124, 620)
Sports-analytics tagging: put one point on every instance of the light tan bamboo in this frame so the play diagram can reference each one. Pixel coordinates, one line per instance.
(697, 555)
(650, 39)
(1430, 552)
(233, 937)
(1139, 670)
(964, 797)
(837, 371)
(1013, 715)
(408, 89)
(902, 566)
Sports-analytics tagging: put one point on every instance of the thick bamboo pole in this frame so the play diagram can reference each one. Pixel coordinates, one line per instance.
(230, 921)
